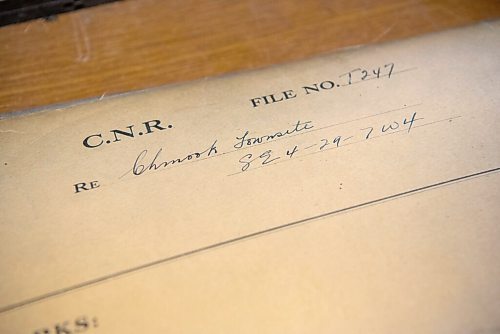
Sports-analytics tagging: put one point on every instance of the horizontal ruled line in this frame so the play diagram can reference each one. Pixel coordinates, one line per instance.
(116, 275)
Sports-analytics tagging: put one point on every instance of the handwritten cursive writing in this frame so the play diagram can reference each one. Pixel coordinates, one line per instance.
(269, 156)
(244, 140)
(140, 167)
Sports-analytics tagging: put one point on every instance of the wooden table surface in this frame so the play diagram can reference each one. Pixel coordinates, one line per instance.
(136, 44)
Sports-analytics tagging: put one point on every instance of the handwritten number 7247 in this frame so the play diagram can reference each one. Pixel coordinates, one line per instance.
(359, 74)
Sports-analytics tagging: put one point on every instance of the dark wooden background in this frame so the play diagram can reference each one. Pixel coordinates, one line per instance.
(135, 44)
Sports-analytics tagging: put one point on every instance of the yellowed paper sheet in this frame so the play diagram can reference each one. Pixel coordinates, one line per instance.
(357, 192)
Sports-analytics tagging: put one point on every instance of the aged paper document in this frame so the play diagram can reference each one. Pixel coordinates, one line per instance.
(357, 192)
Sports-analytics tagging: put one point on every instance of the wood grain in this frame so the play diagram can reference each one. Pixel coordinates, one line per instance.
(136, 44)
